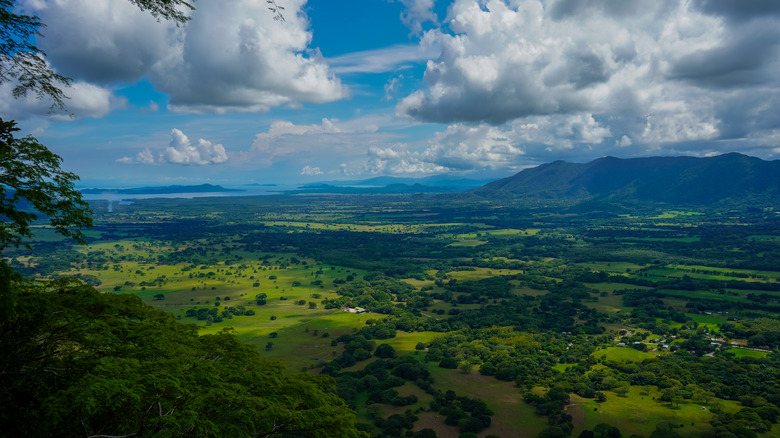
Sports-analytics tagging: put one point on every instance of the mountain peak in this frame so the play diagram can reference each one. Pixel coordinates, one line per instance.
(676, 180)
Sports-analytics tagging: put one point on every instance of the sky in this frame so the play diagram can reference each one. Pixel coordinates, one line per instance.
(361, 88)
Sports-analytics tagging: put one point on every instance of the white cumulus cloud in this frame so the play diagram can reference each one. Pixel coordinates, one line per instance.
(417, 13)
(229, 56)
(84, 100)
(143, 157)
(311, 171)
(182, 151)
(663, 75)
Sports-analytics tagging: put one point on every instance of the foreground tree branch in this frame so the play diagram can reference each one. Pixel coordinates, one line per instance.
(31, 183)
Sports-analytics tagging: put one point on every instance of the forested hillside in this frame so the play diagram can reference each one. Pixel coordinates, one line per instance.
(730, 178)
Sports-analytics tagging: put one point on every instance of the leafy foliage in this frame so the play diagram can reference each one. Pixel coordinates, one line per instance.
(24, 63)
(168, 9)
(77, 362)
(31, 173)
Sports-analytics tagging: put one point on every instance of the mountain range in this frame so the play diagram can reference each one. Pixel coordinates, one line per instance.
(448, 181)
(674, 180)
(160, 190)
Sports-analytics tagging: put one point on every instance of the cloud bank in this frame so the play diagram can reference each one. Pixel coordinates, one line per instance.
(183, 152)
(230, 56)
(554, 77)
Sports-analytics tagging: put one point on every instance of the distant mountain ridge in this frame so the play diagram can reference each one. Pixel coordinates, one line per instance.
(448, 181)
(674, 180)
(366, 190)
(159, 190)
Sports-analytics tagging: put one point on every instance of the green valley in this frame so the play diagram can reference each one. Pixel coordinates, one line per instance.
(442, 317)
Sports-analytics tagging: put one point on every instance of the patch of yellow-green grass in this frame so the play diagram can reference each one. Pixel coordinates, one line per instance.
(299, 341)
(442, 305)
(689, 239)
(711, 295)
(611, 287)
(613, 267)
(685, 213)
(772, 278)
(512, 417)
(480, 273)
(434, 421)
(710, 320)
(468, 243)
(47, 233)
(359, 366)
(361, 408)
(638, 413)
(750, 272)
(610, 303)
(233, 281)
(374, 227)
(519, 291)
(418, 283)
(744, 352)
(515, 232)
(407, 389)
(562, 367)
(404, 342)
(622, 354)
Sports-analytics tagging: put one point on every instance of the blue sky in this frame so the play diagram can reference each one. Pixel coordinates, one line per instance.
(361, 88)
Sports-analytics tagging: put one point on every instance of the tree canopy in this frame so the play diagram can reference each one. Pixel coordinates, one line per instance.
(24, 64)
(79, 363)
(30, 176)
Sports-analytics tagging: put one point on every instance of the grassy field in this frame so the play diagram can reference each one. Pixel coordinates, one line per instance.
(771, 275)
(639, 414)
(299, 340)
(612, 267)
(481, 273)
(468, 243)
(512, 417)
(743, 352)
(210, 272)
(622, 354)
(607, 301)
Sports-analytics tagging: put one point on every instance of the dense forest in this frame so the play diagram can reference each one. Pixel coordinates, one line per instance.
(578, 312)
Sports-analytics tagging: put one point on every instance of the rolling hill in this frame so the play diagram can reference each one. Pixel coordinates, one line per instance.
(674, 180)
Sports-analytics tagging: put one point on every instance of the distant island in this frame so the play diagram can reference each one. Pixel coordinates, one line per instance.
(162, 190)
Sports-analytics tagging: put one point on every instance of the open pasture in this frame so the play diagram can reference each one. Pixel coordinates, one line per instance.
(723, 273)
(745, 352)
(609, 303)
(481, 273)
(512, 416)
(675, 213)
(611, 267)
(622, 354)
(303, 337)
(638, 413)
(469, 243)
(726, 295)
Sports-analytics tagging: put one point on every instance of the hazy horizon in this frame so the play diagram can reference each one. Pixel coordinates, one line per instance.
(406, 88)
